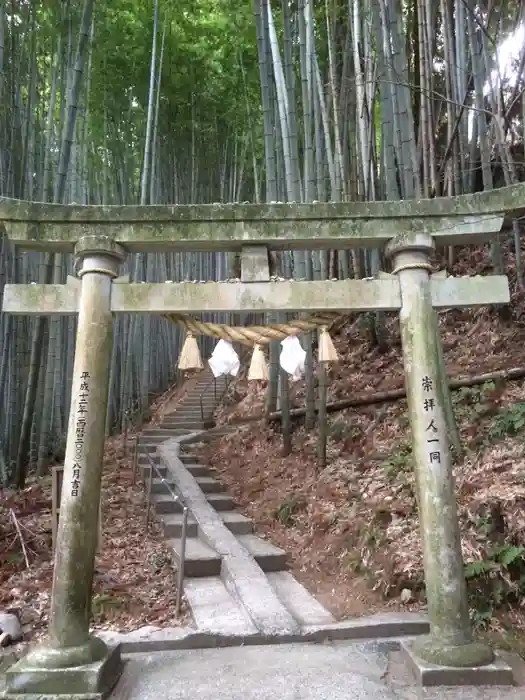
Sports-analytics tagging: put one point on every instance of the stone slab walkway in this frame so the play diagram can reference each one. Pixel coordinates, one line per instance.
(336, 671)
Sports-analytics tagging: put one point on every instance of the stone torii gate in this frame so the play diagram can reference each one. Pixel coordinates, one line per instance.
(71, 661)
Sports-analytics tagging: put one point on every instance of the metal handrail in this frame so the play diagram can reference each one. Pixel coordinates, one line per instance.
(183, 536)
(127, 424)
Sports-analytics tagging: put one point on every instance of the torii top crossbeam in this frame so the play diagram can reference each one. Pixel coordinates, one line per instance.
(229, 227)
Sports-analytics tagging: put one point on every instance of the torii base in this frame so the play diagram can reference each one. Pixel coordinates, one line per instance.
(31, 678)
(427, 674)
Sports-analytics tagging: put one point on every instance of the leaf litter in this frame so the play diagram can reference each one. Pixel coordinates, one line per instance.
(135, 579)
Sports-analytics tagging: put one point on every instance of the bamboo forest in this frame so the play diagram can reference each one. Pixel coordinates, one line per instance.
(216, 101)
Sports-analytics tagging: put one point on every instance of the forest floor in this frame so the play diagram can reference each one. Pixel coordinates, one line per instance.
(135, 581)
(351, 528)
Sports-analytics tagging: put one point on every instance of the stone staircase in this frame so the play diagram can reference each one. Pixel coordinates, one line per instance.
(235, 581)
(200, 559)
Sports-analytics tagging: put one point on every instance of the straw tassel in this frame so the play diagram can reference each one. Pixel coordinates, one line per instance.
(190, 356)
(327, 351)
(258, 366)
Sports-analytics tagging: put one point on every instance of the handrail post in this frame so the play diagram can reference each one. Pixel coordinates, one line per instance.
(184, 531)
(182, 557)
(135, 458)
(148, 492)
(126, 451)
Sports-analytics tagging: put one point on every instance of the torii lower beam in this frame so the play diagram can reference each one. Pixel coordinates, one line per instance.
(185, 297)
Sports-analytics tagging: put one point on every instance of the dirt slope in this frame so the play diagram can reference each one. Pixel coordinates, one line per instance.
(134, 583)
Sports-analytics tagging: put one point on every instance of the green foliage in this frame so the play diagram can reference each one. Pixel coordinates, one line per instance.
(204, 93)
(202, 84)
(399, 462)
(509, 421)
(474, 405)
(496, 580)
(340, 430)
(472, 402)
(105, 605)
(288, 509)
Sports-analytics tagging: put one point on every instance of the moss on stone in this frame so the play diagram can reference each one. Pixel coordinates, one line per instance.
(503, 200)
(470, 655)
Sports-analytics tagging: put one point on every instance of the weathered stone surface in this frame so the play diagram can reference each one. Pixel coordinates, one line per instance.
(77, 533)
(294, 672)
(45, 299)
(359, 295)
(442, 559)
(502, 200)
(387, 626)
(255, 264)
(10, 625)
(461, 672)
(278, 232)
(48, 671)
(185, 297)
(463, 292)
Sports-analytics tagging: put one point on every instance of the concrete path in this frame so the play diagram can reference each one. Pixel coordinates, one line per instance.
(337, 671)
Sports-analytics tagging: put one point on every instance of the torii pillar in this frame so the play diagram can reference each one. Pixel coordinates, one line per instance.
(450, 643)
(71, 661)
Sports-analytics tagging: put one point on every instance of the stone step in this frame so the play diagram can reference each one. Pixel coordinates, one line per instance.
(159, 487)
(160, 432)
(220, 501)
(156, 438)
(208, 484)
(165, 504)
(199, 559)
(199, 388)
(195, 415)
(197, 470)
(268, 556)
(206, 379)
(149, 449)
(204, 395)
(236, 522)
(210, 435)
(186, 458)
(172, 526)
(145, 469)
(294, 596)
(143, 459)
(183, 423)
(215, 610)
(190, 423)
(194, 405)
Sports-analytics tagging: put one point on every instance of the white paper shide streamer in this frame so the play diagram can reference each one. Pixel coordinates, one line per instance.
(292, 357)
(224, 360)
